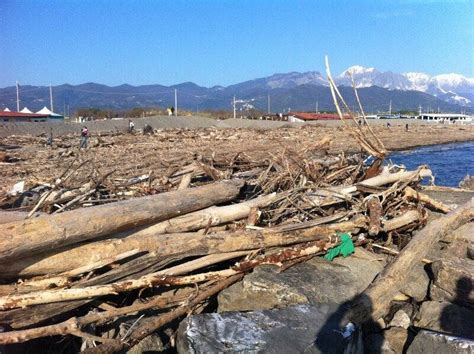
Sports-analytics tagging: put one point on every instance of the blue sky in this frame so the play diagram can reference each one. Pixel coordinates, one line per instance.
(221, 42)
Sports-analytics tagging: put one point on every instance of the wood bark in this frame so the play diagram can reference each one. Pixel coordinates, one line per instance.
(388, 178)
(397, 222)
(200, 219)
(335, 195)
(375, 213)
(165, 277)
(167, 245)
(375, 301)
(32, 236)
(432, 203)
(9, 216)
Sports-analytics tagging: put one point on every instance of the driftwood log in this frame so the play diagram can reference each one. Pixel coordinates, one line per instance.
(168, 245)
(432, 203)
(163, 277)
(31, 236)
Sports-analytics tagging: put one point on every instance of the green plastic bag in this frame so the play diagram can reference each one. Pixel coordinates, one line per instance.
(345, 248)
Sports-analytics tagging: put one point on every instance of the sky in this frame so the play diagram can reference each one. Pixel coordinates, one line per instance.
(222, 42)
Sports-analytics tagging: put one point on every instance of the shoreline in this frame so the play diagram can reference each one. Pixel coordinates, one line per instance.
(414, 147)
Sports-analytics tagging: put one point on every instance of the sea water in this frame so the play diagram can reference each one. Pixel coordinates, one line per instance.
(448, 162)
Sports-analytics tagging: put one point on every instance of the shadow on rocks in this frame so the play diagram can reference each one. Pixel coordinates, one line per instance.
(463, 290)
(340, 335)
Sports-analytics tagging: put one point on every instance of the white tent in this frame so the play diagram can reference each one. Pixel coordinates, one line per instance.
(25, 110)
(7, 110)
(45, 110)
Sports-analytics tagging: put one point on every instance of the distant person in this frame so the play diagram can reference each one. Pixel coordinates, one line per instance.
(406, 127)
(131, 126)
(50, 138)
(84, 137)
(360, 122)
(147, 129)
(388, 125)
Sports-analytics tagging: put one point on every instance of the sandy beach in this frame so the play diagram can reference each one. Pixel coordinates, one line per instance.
(111, 148)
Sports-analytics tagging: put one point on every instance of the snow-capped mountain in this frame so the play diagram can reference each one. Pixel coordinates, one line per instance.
(453, 88)
(366, 77)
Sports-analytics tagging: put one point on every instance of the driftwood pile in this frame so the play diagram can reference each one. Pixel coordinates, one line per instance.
(85, 258)
(78, 272)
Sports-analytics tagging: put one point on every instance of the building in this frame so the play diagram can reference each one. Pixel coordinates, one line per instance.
(301, 117)
(447, 118)
(7, 116)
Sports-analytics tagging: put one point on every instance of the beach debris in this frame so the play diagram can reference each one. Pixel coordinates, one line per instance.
(106, 255)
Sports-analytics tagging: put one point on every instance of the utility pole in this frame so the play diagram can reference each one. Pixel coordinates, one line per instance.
(268, 104)
(317, 107)
(51, 97)
(17, 98)
(175, 102)
(390, 108)
(234, 106)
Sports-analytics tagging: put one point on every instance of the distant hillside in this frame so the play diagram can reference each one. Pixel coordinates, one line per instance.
(295, 91)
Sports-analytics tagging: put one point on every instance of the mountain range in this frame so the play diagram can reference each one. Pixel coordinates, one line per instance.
(290, 91)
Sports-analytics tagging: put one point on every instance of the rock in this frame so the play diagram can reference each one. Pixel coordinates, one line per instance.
(151, 344)
(461, 242)
(446, 317)
(456, 249)
(376, 343)
(400, 319)
(295, 329)
(467, 183)
(453, 281)
(315, 281)
(464, 232)
(434, 342)
(417, 283)
(396, 338)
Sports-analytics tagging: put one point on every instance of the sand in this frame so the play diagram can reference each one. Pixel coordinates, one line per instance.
(184, 138)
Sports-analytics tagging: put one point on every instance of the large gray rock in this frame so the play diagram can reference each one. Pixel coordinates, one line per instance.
(295, 329)
(461, 242)
(417, 283)
(446, 317)
(434, 342)
(453, 281)
(315, 281)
